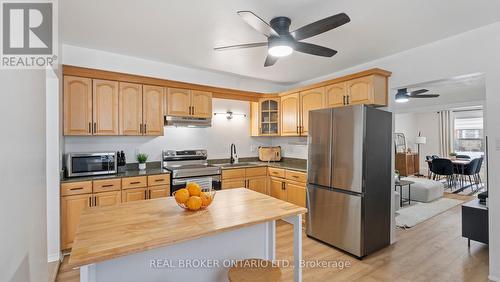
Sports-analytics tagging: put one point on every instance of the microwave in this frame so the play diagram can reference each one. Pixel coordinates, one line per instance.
(85, 164)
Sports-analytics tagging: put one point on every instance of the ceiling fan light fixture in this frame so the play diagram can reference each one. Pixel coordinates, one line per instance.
(280, 50)
(402, 98)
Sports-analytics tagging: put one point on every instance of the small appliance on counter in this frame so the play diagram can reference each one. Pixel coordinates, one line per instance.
(270, 154)
(87, 164)
(122, 161)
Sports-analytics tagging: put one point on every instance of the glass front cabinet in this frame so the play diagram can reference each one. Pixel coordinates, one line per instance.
(269, 111)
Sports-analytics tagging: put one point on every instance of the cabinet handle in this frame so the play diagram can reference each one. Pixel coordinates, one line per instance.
(145, 128)
(108, 185)
(343, 100)
(145, 194)
(95, 127)
(149, 197)
(77, 188)
(158, 180)
(192, 110)
(90, 127)
(95, 201)
(135, 182)
(90, 201)
(348, 102)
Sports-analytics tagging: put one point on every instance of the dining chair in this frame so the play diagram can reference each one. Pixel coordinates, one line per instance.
(435, 157)
(468, 171)
(477, 176)
(443, 167)
(429, 163)
(463, 157)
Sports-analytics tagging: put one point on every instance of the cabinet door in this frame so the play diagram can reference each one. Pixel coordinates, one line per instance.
(290, 115)
(276, 188)
(105, 107)
(71, 209)
(179, 102)
(254, 119)
(296, 193)
(158, 191)
(359, 90)
(335, 95)
(77, 106)
(269, 117)
(135, 194)
(152, 107)
(201, 104)
(258, 184)
(233, 183)
(130, 108)
(108, 198)
(310, 100)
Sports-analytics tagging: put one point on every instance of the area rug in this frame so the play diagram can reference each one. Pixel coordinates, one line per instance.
(410, 216)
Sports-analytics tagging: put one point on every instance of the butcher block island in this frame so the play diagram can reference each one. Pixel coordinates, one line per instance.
(156, 240)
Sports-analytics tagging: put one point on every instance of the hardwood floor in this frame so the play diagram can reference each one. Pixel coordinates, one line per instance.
(431, 251)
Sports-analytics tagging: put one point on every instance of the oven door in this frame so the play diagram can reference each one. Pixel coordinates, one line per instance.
(90, 164)
(206, 182)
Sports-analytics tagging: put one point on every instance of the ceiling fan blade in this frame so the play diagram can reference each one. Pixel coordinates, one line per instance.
(425, 96)
(313, 49)
(270, 60)
(321, 26)
(240, 46)
(416, 92)
(257, 23)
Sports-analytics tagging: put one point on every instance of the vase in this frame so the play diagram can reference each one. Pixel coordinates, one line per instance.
(142, 166)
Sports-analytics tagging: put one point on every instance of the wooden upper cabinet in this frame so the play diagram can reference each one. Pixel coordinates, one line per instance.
(130, 108)
(335, 95)
(77, 100)
(179, 102)
(201, 104)
(290, 115)
(105, 107)
(359, 90)
(310, 100)
(152, 110)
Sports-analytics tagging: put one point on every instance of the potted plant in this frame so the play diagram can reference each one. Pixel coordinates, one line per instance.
(453, 155)
(142, 158)
(397, 176)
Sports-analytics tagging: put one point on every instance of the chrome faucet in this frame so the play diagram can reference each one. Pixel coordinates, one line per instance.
(234, 157)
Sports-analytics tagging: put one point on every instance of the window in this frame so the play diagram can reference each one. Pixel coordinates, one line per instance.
(468, 135)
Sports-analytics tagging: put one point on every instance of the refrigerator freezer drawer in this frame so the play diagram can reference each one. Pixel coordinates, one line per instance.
(335, 218)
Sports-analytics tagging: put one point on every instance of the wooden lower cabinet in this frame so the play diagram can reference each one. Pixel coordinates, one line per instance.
(107, 199)
(155, 192)
(233, 183)
(258, 184)
(71, 209)
(277, 188)
(134, 194)
(296, 193)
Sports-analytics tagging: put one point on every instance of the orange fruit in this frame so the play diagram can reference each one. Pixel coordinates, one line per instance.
(194, 189)
(181, 196)
(206, 199)
(194, 203)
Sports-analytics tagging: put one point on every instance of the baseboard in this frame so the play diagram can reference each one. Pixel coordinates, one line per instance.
(54, 257)
(493, 278)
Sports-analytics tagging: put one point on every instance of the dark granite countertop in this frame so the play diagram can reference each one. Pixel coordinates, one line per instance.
(285, 163)
(128, 173)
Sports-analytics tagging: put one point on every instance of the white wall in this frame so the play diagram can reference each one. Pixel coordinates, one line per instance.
(292, 147)
(23, 235)
(91, 58)
(475, 51)
(216, 139)
(407, 124)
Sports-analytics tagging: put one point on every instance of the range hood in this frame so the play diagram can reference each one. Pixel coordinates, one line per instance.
(188, 122)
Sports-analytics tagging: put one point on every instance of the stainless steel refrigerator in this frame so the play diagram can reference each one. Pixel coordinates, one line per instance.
(349, 178)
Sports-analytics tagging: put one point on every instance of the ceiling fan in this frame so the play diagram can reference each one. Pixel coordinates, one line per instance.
(281, 42)
(404, 96)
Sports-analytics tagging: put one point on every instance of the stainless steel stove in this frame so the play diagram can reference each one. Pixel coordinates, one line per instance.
(191, 166)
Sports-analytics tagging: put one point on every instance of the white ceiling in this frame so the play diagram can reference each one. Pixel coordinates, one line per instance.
(184, 32)
(466, 90)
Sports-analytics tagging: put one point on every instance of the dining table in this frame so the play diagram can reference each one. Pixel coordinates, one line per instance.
(460, 163)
